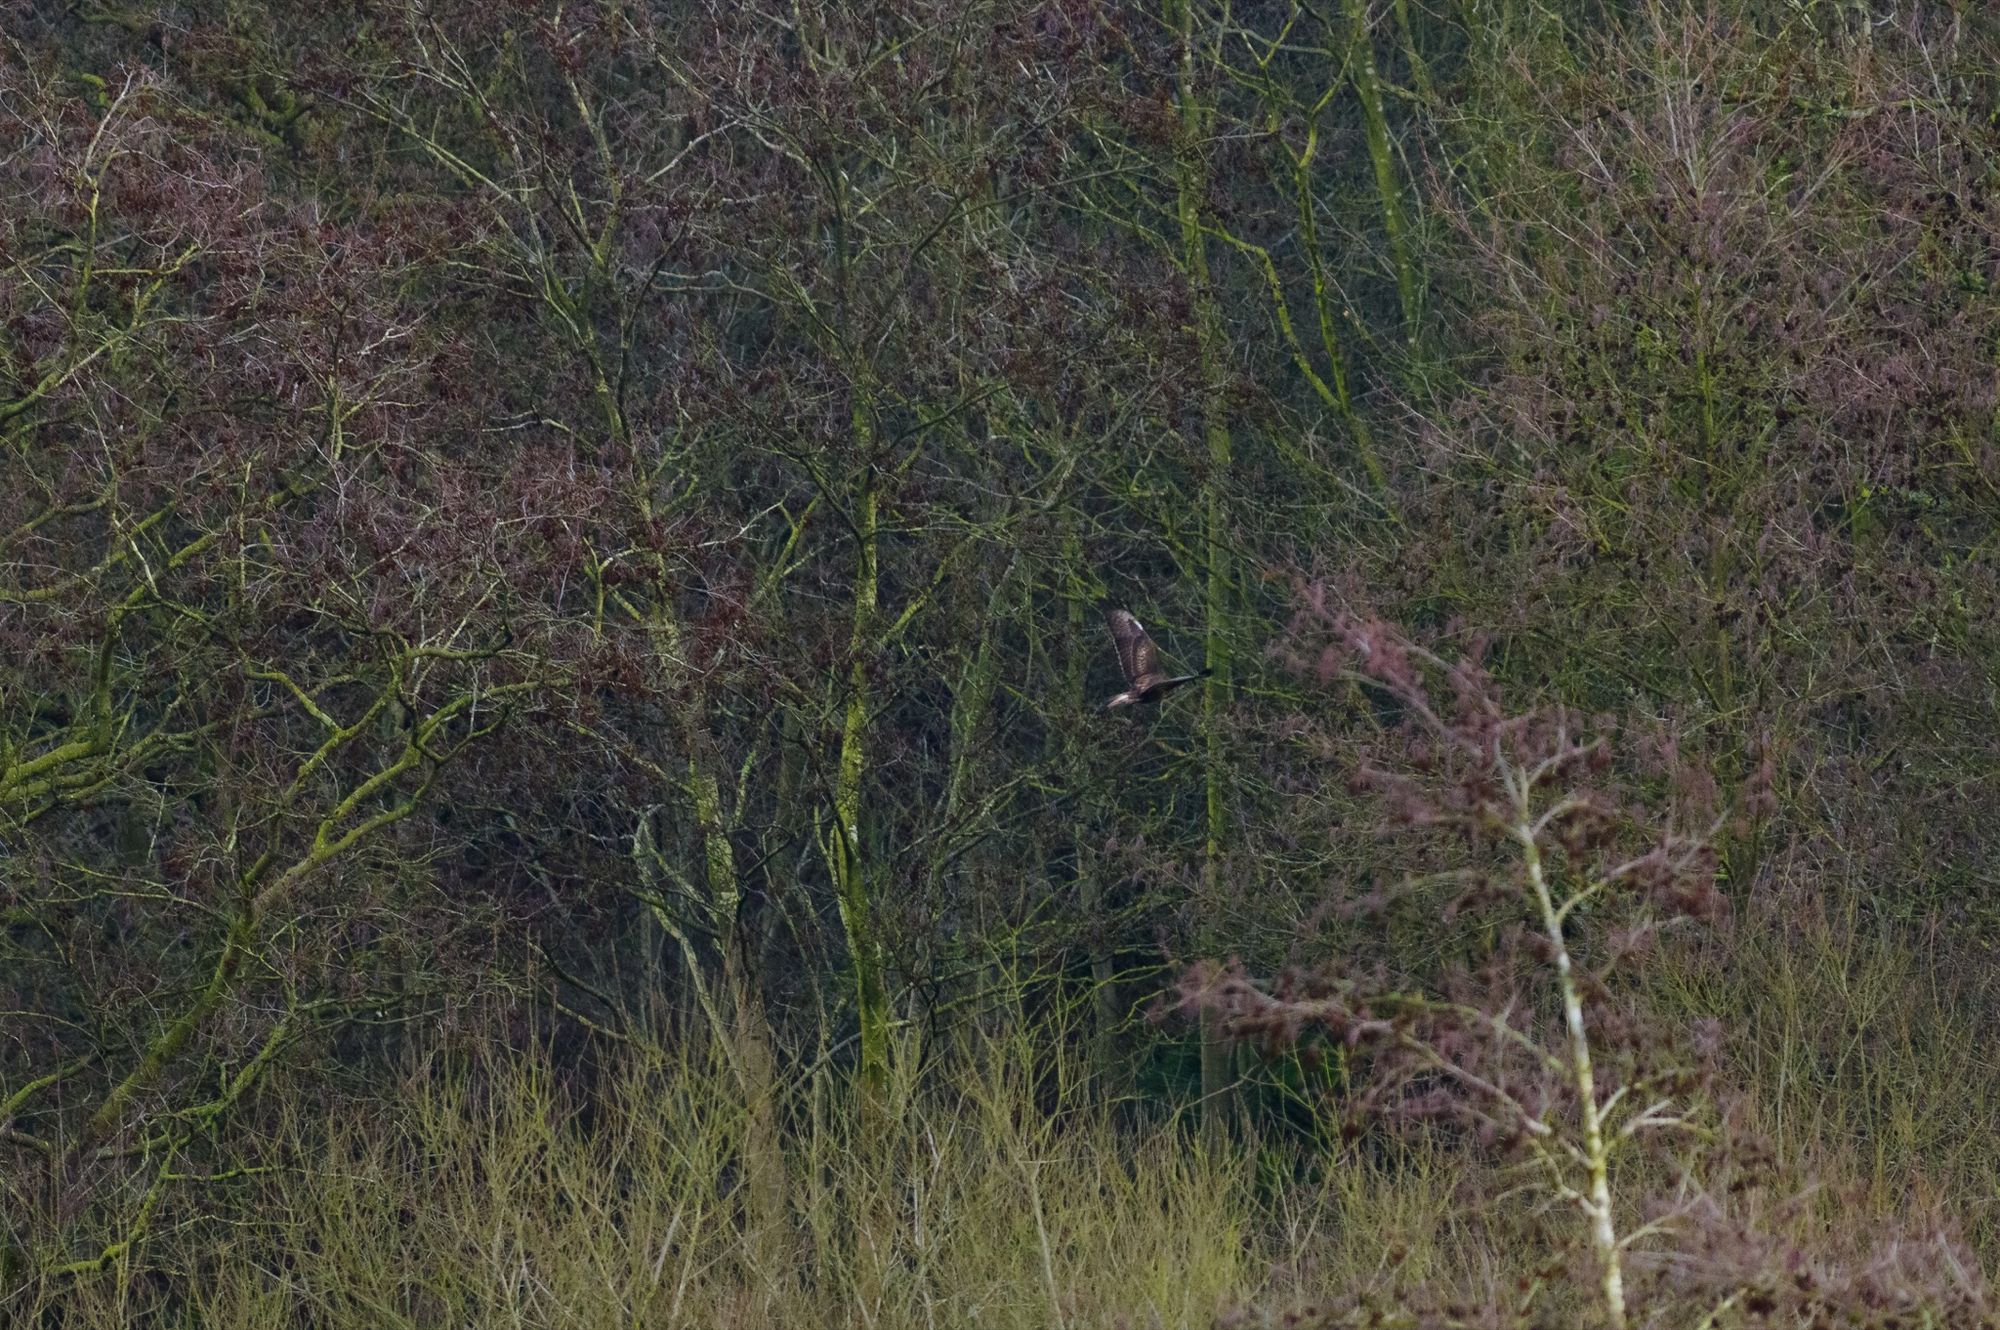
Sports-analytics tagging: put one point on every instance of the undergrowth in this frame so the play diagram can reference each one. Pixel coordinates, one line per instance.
(1000, 1186)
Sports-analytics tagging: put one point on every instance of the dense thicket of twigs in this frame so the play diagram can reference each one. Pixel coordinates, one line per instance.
(601, 510)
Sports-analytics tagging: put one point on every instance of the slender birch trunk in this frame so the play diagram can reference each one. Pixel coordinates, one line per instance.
(1596, 1148)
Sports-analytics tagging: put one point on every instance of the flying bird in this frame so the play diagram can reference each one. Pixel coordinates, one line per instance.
(1145, 681)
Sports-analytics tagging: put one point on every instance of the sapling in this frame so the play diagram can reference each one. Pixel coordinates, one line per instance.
(1572, 862)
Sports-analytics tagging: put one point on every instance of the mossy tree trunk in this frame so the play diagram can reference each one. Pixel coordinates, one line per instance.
(845, 845)
(1191, 184)
(1382, 157)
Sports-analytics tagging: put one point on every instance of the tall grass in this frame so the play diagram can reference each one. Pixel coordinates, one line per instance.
(1003, 1187)
(997, 1189)
(1863, 1046)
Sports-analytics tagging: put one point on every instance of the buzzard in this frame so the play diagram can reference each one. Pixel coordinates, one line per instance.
(1145, 681)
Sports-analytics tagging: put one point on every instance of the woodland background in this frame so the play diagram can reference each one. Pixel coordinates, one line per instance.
(551, 762)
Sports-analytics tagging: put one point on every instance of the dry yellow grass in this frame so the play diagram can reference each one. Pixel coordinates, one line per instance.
(1000, 1186)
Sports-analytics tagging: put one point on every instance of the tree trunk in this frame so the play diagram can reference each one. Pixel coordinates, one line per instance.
(1381, 154)
(845, 848)
(1191, 188)
(743, 1026)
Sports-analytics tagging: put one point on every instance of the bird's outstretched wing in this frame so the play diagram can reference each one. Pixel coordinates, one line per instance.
(1137, 655)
